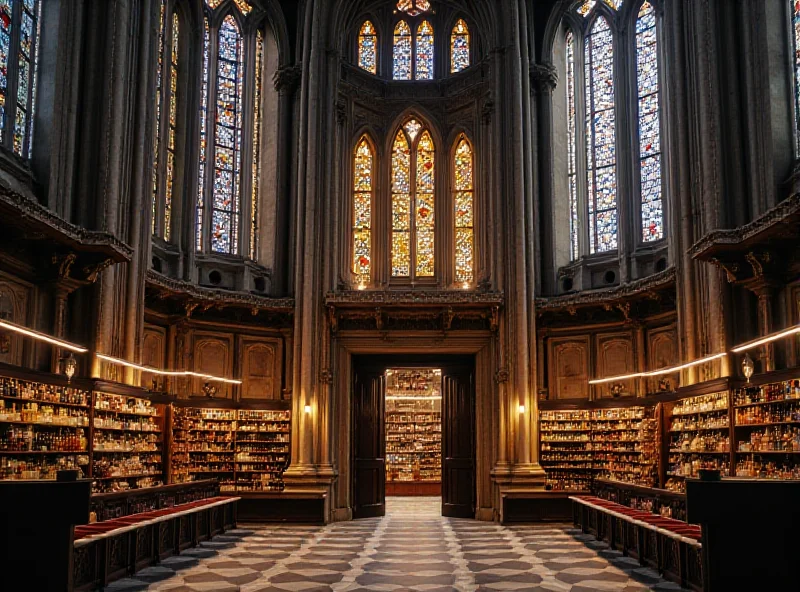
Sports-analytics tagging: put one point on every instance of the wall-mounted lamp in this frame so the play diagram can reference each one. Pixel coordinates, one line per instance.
(307, 409)
(69, 365)
(748, 367)
(522, 409)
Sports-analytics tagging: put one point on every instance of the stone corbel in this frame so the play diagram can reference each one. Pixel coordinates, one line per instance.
(63, 264)
(501, 376)
(544, 77)
(447, 318)
(730, 269)
(379, 323)
(92, 272)
(287, 78)
(190, 307)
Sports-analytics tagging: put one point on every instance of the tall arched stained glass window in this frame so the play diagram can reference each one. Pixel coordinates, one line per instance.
(464, 214)
(166, 124)
(401, 54)
(401, 206)
(201, 181)
(601, 137)
(459, 47)
(363, 174)
(794, 6)
(226, 196)
(587, 6)
(368, 48)
(254, 171)
(649, 124)
(20, 30)
(572, 147)
(413, 194)
(423, 68)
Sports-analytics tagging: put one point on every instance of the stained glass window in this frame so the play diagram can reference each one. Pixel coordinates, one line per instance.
(362, 211)
(572, 147)
(256, 148)
(173, 126)
(20, 30)
(157, 145)
(649, 124)
(424, 63)
(413, 221)
(464, 213)
(601, 138)
(368, 48)
(243, 5)
(459, 47)
(413, 7)
(587, 6)
(228, 140)
(795, 8)
(201, 181)
(401, 206)
(401, 54)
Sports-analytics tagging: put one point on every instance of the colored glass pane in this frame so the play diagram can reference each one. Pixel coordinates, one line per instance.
(5, 50)
(601, 137)
(424, 63)
(413, 7)
(401, 206)
(424, 222)
(201, 181)
(35, 79)
(587, 6)
(572, 147)
(368, 48)
(649, 124)
(26, 60)
(412, 128)
(401, 52)
(173, 126)
(459, 47)
(795, 8)
(243, 6)
(254, 198)
(363, 172)
(157, 144)
(226, 189)
(464, 214)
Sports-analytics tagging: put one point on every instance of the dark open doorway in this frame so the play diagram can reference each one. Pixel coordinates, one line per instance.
(458, 487)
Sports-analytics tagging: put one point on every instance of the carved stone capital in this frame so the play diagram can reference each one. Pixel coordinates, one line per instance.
(92, 272)
(63, 264)
(544, 77)
(287, 78)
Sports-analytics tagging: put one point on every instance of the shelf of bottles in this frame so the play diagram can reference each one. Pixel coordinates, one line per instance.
(699, 438)
(245, 450)
(624, 444)
(767, 430)
(127, 443)
(566, 449)
(43, 429)
(413, 426)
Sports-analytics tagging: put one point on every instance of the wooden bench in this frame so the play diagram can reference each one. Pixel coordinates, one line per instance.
(114, 549)
(672, 547)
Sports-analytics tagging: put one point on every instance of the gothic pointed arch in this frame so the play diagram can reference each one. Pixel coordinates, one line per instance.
(368, 47)
(459, 46)
(401, 51)
(364, 169)
(464, 211)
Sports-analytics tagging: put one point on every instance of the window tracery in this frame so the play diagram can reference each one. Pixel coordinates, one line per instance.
(423, 68)
(794, 7)
(368, 48)
(363, 174)
(459, 47)
(402, 52)
(464, 214)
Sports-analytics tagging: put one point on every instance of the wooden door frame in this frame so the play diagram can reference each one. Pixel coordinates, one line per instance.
(379, 363)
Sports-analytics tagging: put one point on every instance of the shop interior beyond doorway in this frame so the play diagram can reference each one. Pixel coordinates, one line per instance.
(413, 432)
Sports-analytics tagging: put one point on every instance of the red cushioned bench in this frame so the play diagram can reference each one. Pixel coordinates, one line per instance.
(673, 547)
(113, 549)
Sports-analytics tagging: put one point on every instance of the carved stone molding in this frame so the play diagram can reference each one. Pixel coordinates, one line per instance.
(544, 77)
(287, 78)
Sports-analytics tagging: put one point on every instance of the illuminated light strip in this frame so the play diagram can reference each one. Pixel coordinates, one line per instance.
(669, 370)
(166, 372)
(412, 398)
(42, 337)
(768, 339)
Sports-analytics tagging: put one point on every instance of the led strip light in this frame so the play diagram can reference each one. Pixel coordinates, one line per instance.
(768, 339)
(669, 370)
(211, 377)
(42, 337)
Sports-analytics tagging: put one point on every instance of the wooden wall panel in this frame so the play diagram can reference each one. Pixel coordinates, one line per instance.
(261, 365)
(569, 368)
(213, 354)
(615, 356)
(14, 300)
(662, 352)
(154, 353)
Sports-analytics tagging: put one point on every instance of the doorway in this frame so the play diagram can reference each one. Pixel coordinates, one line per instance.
(413, 431)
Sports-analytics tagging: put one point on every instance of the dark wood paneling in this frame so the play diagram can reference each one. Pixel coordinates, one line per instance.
(458, 443)
(369, 461)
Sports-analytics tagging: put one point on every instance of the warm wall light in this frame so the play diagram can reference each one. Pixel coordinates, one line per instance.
(768, 339)
(307, 408)
(210, 377)
(42, 337)
(522, 408)
(669, 370)
(362, 286)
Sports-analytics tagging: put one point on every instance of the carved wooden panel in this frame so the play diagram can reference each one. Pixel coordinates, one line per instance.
(14, 298)
(154, 346)
(662, 352)
(212, 354)
(261, 366)
(615, 358)
(569, 368)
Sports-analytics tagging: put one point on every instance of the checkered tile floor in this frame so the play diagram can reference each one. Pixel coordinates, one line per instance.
(411, 548)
